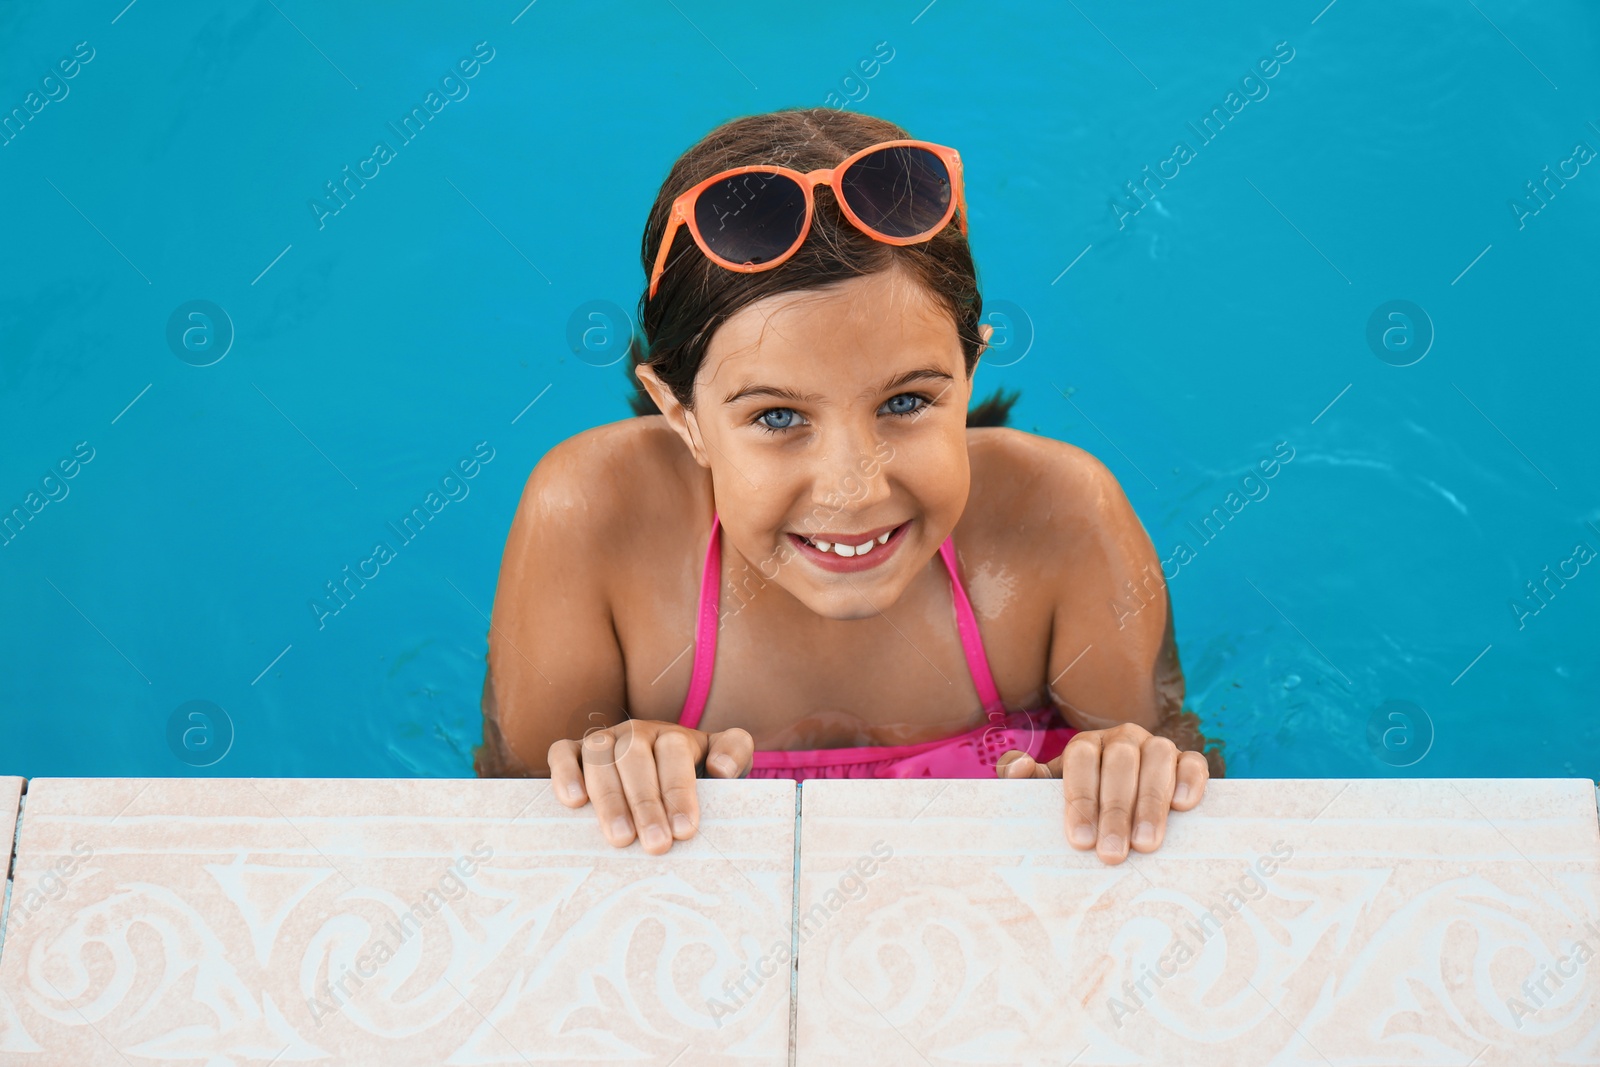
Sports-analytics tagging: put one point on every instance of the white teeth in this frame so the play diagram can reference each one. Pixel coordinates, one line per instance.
(850, 551)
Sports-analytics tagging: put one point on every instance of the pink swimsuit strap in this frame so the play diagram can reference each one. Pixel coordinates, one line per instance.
(705, 651)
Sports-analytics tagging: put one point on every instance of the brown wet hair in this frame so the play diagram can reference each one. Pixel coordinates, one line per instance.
(696, 296)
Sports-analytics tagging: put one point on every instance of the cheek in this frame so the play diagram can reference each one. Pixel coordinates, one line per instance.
(936, 473)
(762, 492)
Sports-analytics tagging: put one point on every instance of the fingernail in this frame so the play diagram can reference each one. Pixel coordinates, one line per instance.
(1113, 844)
(620, 828)
(1143, 834)
(654, 836)
(1180, 794)
(1083, 835)
(574, 791)
(680, 825)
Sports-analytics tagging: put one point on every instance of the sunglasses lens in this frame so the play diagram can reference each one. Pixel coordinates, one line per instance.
(751, 218)
(900, 192)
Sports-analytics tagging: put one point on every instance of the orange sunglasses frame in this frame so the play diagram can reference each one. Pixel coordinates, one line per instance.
(682, 213)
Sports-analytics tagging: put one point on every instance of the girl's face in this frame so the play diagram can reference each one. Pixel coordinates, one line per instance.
(834, 416)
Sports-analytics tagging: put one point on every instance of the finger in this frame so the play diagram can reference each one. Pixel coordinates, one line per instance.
(566, 774)
(605, 788)
(636, 765)
(676, 752)
(1158, 772)
(1193, 773)
(1119, 783)
(1013, 764)
(730, 754)
(1081, 782)
(1018, 764)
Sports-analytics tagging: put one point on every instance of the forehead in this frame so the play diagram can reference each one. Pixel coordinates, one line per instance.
(862, 328)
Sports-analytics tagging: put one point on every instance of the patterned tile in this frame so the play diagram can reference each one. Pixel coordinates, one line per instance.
(1311, 922)
(420, 921)
(10, 796)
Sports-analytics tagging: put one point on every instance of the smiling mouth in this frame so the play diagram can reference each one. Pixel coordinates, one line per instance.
(849, 547)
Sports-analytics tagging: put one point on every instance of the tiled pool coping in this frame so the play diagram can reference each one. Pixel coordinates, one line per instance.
(927, 921)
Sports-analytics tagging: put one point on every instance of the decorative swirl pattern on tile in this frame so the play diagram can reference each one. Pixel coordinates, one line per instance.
(1396, 926)
(235, 921)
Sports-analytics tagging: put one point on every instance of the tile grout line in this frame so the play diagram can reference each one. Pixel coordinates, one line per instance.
(11, 868)
(794, 932)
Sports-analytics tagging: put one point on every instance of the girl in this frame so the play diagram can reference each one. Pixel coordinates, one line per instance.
(809, 562)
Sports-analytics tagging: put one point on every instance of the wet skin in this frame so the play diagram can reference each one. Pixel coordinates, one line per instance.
(835, 411)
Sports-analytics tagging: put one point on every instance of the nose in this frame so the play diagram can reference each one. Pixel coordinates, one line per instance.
(849, 476)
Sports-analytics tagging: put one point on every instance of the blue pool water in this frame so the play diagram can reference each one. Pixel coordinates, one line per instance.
(376, 346)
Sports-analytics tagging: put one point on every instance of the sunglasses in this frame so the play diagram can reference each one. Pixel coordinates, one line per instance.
(754, 218)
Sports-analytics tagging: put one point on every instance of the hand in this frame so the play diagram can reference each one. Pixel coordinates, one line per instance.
(1116, 779)
(640, 775)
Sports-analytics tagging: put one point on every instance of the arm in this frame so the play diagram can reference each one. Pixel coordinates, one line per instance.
(1111, 606)
(554, 668)
(555, 694)
(1113, 666)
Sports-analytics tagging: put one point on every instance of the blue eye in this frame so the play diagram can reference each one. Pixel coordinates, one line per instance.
(902, 404)
(787, 414)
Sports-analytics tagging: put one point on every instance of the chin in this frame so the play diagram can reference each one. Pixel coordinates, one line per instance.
(860, 609)
(845, 603)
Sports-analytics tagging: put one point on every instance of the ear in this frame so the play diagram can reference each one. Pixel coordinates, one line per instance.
(985, 331)
(680, 418)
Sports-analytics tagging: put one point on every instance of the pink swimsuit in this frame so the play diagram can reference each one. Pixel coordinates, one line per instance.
(1041, 733)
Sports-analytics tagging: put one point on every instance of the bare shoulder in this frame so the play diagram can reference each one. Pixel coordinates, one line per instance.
(609, 479)
(614, 488)
(1042, 492)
